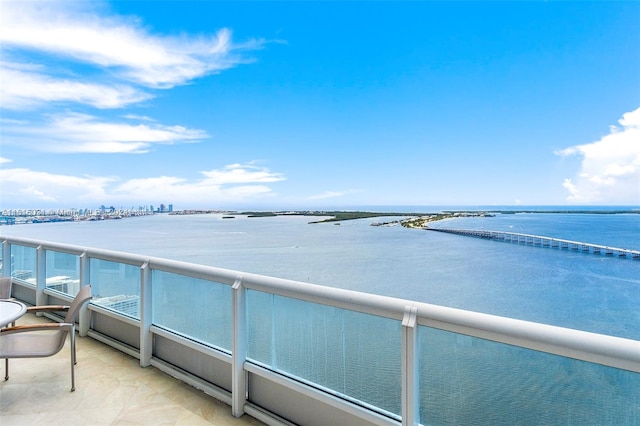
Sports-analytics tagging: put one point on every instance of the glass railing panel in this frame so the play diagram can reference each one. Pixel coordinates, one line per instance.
(195, 308)
(353, 355)
(62, 272)
(23, 263)
(116, 286)
(465, 380)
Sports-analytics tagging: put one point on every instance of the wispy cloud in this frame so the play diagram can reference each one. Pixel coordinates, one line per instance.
(27, 89)
(4, 120)
(182, 191)
(120, 44)
(82, 133)
(330, 194)
(98, 59)
(67, 63)
(138, 117)
(32, 187)
(241, 173)
(610, 168)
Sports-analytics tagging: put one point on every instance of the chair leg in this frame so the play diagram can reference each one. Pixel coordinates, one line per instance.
(73, 359)
(6, 361)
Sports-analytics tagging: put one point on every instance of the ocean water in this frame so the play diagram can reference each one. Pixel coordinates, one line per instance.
(570, 289)
(463, 380)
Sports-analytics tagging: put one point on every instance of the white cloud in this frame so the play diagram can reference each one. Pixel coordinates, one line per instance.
(178, 190)
(138, 117)
(82, 133)
(331, 194)
(241, 173)
(610, 169)
(22, 185)
(327, 194)
(123, 45)
(22, 90)
(6, 121)
(96, 58)
(4, 160)
(27, 187)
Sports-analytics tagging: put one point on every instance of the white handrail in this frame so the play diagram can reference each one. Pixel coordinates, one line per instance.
(592, 347)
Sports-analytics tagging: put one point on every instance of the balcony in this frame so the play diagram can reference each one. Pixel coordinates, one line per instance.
(288, 352)
(111, 388)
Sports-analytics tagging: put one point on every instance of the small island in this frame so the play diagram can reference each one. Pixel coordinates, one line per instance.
(421, 222)
(409, 220)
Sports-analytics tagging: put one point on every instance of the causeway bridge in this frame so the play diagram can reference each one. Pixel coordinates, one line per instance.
(540, 241)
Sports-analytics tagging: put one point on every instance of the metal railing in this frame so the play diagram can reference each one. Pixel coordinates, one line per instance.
(250, 377)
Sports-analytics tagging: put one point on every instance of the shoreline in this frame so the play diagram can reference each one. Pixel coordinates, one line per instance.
(415, 220)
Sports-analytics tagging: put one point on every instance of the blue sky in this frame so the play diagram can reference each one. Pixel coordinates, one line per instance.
(278, 105)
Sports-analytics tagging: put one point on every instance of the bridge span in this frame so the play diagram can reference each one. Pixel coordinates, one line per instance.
(540, 241)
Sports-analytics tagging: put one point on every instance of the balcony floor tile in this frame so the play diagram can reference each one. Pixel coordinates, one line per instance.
(111, 389)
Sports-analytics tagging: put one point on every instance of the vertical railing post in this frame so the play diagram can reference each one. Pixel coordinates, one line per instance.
(85, 272)
(239, 355)
(84, 316)
(410, 402)
(6, 258)
(41, 276)
(146, 315)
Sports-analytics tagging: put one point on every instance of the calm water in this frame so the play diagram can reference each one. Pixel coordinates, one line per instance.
(572, 289)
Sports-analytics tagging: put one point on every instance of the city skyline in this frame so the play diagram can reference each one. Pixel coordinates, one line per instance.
(320, 105)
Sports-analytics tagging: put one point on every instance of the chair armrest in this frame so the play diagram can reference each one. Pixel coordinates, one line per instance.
(47, 308)
(36, 327)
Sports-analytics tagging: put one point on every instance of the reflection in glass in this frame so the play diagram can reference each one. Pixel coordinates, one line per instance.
(63, 272)
(354, 355)
(23, 263)
(465, 380)
(198, 309)
(116, 286)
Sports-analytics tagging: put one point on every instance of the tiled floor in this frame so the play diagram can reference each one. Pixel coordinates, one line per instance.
(111, 389)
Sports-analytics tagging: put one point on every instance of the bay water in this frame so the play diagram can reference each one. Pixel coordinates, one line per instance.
(565, 288)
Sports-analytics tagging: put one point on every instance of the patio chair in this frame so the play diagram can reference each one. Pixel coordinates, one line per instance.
(5, 287)
(29, 341)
